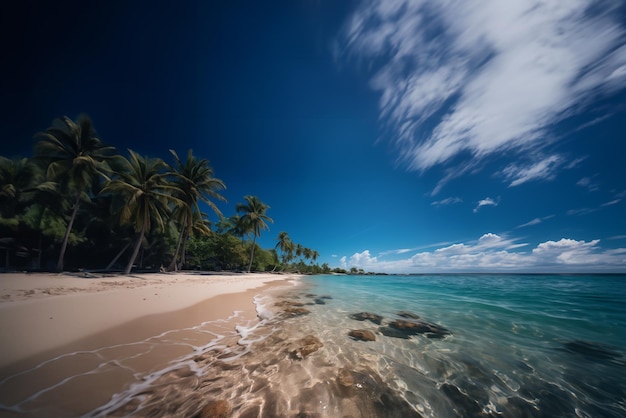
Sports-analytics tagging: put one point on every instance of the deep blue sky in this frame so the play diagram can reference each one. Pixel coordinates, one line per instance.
(388, 135)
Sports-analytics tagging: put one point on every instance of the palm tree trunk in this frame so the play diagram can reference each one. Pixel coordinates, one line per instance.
(67, 234)
(173, 265)
(183, 253)
(131, 261)
(110, 265)
(252, 253)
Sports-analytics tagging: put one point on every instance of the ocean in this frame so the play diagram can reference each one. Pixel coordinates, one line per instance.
(406, 346)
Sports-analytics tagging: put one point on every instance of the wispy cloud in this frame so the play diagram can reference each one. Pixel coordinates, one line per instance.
(495, 253)
(588, 184)
(463, 78)
(535, 221)
(486, 202)
(447, 201)
(542, 170)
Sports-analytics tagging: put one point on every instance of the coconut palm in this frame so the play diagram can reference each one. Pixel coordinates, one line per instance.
(255, 219)
(197, 183)
(17, 176)
(286, 247)
(314, 255)
(75, 158)
(146, 194)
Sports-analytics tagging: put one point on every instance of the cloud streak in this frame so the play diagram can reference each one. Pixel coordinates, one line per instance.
(461, 80)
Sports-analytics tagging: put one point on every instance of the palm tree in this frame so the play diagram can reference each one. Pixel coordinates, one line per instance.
(17, 176)
(255, 219)
(314, 255)
(286, 246)
(238, 226)
(197, 183)
(75, 157)
(145, 193)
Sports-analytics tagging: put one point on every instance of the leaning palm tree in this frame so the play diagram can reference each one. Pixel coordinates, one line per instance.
(75, 157)
(286, 246)
(255, 218)
(146, 194)
(197, 183)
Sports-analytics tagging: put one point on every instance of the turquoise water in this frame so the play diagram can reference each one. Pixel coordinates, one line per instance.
(521, 345)
(496, 346)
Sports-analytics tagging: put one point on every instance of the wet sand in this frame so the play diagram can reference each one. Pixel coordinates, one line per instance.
(70, 343)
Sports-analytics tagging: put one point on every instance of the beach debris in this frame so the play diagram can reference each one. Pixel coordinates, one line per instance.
(419, 327)
(407, 314)
(307, 345)
(362, 316)
(362, 335)
(284, 303)
(292, 312)
(216, 409)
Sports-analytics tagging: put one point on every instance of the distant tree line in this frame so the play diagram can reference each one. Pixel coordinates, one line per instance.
(77, 203)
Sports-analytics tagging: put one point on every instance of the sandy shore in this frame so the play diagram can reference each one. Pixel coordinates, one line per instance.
(69, 343)
(41, 312)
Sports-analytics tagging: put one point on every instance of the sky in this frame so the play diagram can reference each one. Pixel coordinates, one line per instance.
(393, 136)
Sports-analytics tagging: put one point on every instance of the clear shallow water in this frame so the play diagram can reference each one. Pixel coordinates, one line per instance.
(520, 346)
(526, 345)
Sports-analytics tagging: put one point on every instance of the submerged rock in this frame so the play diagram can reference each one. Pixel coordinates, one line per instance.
(284, 303)
(407, 314)
(362, 335)
(292, 312)
(362, 316)
(306, 346)
(216, 409)
(345, 377)
(419, 327)
(320, 301)
(394, 333)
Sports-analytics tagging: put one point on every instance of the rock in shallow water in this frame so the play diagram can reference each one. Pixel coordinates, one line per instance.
(407, 314)
(394, 333)
(295, 311)
(216, 409)
(419, 327)
(306, 346)
(362, 316)
(362, 335)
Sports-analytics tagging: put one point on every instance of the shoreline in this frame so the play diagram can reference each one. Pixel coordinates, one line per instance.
(55, 328)
(41, 312)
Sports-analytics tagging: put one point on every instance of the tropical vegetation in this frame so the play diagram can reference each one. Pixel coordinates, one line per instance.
(77, 203)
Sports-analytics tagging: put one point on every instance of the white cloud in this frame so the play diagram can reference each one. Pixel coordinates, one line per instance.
(495, 253)
(447, 201)
(588, 184)
(485, 202)
(461, 78)
(535, 221)
(541, 170)
(362, 260)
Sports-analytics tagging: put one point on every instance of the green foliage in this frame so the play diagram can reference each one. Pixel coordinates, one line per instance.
(78, 194)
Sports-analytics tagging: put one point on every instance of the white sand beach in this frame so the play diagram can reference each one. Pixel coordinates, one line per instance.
(47, 316)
